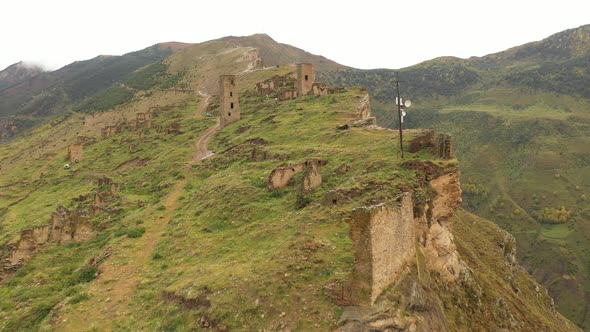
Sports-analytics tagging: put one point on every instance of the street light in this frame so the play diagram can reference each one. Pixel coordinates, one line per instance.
(401, 104)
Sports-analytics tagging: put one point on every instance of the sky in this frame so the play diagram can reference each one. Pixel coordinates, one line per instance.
(362, 34)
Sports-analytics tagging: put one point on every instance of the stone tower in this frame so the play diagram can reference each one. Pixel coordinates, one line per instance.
(76, 152)
(305, 78)
(229, 103)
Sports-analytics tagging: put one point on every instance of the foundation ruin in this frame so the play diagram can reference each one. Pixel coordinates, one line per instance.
(229, 102)
(280, 177)
(441, 144)
(287, 87)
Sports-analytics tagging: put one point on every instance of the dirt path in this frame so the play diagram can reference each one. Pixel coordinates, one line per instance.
(111, 293)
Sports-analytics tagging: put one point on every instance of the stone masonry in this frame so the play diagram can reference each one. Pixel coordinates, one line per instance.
(76, 153)
(444, 147)
(229, 101)
(384, 242)
(305, 78)
(280, 177)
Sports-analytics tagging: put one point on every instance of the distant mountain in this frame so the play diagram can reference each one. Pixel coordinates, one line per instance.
(18, 73)
(29, 96)
(274, 53)
(559, 63)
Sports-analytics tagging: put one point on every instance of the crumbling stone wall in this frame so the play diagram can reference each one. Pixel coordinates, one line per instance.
(287, 94)
(143, 121)
(384, 242)
(305, 78)
(423, 140)
(280, 176)
(76, 153)
(229, 103)
(64, 227)
(275, 84)
(444, 147)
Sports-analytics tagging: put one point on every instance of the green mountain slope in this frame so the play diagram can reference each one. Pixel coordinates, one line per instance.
(170, 242)
(521, 119)
(40, 97)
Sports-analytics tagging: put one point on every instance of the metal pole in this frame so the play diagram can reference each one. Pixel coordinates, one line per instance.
(399, 111)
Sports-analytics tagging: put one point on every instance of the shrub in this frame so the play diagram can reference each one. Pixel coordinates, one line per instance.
(135, 232)
(87, 274)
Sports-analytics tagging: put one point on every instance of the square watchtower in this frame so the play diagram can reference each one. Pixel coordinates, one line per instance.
(305, 78)
(229, 100)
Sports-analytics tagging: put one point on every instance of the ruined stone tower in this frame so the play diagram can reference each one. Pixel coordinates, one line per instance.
(76, 152)
(229, 102)
(305, 78)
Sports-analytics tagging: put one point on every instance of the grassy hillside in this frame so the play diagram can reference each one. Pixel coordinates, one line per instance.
(189, 244)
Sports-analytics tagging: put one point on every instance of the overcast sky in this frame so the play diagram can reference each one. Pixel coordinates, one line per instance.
(363, 34)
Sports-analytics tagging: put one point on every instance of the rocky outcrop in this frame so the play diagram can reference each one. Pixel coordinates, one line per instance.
(437, 238)
(366, 122)
(364, 107)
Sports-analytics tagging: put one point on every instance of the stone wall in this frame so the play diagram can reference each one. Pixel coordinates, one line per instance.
(280, 177)
(76, 153)
(64, 227)
(423, 140)
(275, 84)
(443, 145)
(384, 242)
(229, 103)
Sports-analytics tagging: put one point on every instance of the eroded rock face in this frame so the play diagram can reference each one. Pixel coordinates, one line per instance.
(364, 107)
(441, 252)
(448, 195)
(312, 177)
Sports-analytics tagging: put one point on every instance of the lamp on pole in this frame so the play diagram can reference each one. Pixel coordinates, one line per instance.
(401, 113)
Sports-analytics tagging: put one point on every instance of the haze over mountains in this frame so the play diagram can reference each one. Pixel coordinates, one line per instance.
(519, 119)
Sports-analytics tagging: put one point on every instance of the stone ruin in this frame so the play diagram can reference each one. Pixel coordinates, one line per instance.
(384, 242)
(64, 227)
(143, 121)
(76, 153)
(280, 177)
(287, 88)
(277, 84)
(441, 144)
(444, 148)
(106, 189)
(229, 102)
(385, 237)
(305, 78)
